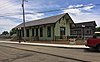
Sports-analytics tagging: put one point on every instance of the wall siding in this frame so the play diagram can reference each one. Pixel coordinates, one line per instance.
(55, 30)
(44, 32)
(62, 23)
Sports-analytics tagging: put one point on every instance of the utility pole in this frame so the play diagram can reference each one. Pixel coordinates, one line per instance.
(23, 18)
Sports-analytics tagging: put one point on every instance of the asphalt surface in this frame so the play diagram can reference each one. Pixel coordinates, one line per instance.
(8, 54)
(45, 54)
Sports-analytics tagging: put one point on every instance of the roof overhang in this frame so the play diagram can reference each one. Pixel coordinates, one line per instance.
(46, 20)
(71, 21)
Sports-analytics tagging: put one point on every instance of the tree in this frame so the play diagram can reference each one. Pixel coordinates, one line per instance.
(13, 31)
(98, 29)
(5, 33)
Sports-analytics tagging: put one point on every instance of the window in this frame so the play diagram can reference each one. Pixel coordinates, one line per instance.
(41, 32)
(87, 31)
(27, 32)
(36, 31)
(32, 32)
(79, 32)
(49, 31)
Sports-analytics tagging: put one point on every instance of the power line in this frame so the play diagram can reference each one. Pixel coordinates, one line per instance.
(60, 9)
(66, 8)
(26, 0)
(5, 4)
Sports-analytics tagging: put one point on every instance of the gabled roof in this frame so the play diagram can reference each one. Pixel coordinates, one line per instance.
(90, 23)
(48, 20)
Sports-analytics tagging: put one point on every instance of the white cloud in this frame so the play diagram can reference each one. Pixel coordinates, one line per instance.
(34, 16)
(78, 15)
(6, 24)
(85, 17)
(75, 11)
(8, 7)
(73, 6)
(88, 7)
(9, 10)
(82, 7)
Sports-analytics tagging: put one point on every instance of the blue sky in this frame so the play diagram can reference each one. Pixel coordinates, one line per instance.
(11, 11)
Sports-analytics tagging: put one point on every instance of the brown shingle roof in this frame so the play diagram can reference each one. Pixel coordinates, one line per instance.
(90, 23)
(52, 19)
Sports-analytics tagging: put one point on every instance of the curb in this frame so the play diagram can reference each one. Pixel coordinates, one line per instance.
(46, 45)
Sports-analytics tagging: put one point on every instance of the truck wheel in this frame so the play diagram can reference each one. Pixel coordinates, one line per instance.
(99, 48)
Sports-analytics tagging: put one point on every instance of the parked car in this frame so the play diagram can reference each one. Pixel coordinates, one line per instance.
(94, 42)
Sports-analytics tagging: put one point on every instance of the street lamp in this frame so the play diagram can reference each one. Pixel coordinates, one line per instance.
(83, 26)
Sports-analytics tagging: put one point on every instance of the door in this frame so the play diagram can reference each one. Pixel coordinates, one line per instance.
(62, 32)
